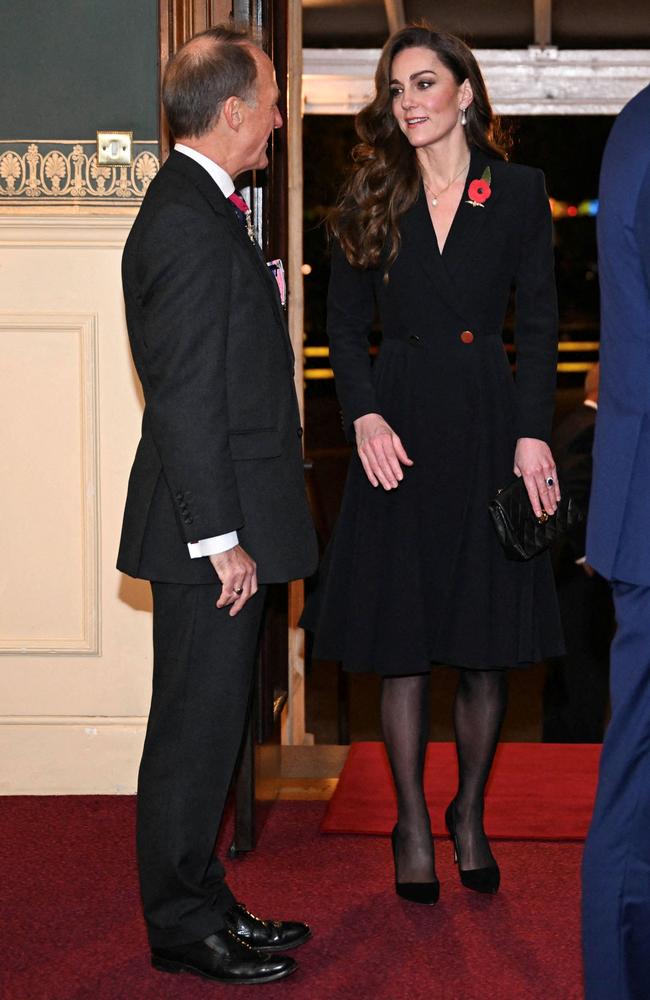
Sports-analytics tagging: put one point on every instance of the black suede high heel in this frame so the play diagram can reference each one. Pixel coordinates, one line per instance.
(479, 879)
(415, 892)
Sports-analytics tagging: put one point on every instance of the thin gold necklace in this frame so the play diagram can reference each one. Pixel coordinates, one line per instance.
(434, 196)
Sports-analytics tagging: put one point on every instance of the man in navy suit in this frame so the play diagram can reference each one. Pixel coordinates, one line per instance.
(616, 866)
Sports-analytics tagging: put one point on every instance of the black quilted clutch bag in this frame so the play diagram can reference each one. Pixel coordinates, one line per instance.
(521, 533)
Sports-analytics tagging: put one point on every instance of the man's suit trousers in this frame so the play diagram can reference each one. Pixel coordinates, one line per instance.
(203, 669)
(616, 865)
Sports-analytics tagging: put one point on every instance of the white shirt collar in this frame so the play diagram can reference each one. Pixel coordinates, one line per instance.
(223, 180)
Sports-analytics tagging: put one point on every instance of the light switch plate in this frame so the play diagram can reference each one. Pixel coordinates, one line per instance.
(114, 149)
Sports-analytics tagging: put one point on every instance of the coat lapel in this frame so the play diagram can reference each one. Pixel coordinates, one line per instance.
(419, 244)
(465, 241)
(419, 241)
(465, 237)
(220, 205)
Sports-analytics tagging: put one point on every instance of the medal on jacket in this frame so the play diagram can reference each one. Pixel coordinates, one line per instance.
(243, 213)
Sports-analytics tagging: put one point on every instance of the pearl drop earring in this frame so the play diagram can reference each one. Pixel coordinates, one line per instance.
(463, 117)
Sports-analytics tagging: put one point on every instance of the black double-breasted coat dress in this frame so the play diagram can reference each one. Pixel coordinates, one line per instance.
(416, 575)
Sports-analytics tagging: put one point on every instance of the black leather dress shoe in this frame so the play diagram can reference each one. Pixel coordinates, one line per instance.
(224, 958)
(265, 935)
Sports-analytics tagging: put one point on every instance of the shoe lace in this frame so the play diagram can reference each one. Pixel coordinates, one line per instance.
(240, 941)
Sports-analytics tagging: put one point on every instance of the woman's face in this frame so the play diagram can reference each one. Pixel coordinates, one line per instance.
(426, 100)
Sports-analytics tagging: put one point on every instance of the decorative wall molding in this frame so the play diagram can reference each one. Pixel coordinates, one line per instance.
(65, 172)
(39, 230)
(532, 81)
(83, 330)
(88, 722)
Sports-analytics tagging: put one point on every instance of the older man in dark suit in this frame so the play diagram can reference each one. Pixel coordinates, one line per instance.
(216, 505)
(616, 868)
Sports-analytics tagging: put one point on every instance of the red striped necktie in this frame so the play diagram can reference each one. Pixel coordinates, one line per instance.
(243, 212)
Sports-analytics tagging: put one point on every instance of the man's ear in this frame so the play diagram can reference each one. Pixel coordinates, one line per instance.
(232, 112)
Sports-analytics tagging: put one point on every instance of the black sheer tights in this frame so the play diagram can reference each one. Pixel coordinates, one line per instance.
(479, 708)
(405, 725)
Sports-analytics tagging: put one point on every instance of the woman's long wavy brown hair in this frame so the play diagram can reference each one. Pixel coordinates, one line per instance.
(385, 178)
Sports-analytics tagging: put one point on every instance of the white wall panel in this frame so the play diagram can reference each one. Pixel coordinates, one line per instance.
(49, 598)
(75, 636)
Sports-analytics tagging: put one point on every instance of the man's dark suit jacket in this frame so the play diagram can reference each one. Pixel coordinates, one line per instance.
(618, 539)
(221, 437)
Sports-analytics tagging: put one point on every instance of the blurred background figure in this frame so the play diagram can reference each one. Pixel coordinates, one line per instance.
(577, 686)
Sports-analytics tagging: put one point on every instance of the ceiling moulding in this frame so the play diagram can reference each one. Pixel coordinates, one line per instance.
(531, 81)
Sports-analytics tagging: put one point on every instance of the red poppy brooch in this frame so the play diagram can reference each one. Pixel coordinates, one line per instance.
(479, 190)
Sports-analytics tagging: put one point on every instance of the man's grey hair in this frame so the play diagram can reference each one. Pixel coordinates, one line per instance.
(203, 74)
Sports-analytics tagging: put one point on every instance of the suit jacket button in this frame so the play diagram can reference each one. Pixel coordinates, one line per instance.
(467, 336)
(188, 519)
(414, 340)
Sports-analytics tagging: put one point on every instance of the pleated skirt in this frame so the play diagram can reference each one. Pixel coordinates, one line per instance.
(416, 576)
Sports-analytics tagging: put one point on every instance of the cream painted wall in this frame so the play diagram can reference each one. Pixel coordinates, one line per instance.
(75, 647)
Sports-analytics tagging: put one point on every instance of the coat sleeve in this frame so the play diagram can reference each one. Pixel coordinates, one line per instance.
(183, 288)
(536, 322)
(350, 313)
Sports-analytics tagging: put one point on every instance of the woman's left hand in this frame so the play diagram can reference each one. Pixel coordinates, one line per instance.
(534, 461)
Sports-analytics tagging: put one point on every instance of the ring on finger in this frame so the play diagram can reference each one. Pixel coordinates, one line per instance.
(238, 590)
(550, 481)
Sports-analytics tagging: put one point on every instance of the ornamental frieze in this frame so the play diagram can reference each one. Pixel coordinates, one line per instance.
(48, 172)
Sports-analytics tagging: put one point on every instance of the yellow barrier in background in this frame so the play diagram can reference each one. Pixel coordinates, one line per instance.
(586, 346)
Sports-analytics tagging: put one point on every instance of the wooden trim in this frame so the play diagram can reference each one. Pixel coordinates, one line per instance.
(395, 14)
(275, 200)
(293, 129)
(294, 731)
(543, 22)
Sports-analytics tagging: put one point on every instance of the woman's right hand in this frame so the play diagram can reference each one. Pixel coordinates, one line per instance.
(381, 452)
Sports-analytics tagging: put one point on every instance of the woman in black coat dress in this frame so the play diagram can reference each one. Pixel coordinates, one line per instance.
(434, 228)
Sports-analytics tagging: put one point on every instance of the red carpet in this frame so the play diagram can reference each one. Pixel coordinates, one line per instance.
(72, 930)
(537, 791)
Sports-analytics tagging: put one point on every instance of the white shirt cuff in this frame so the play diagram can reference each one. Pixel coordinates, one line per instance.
(581, 561)
(213, 546)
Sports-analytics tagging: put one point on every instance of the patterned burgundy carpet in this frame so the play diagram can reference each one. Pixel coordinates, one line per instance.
(71, 925)
(537, 791)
